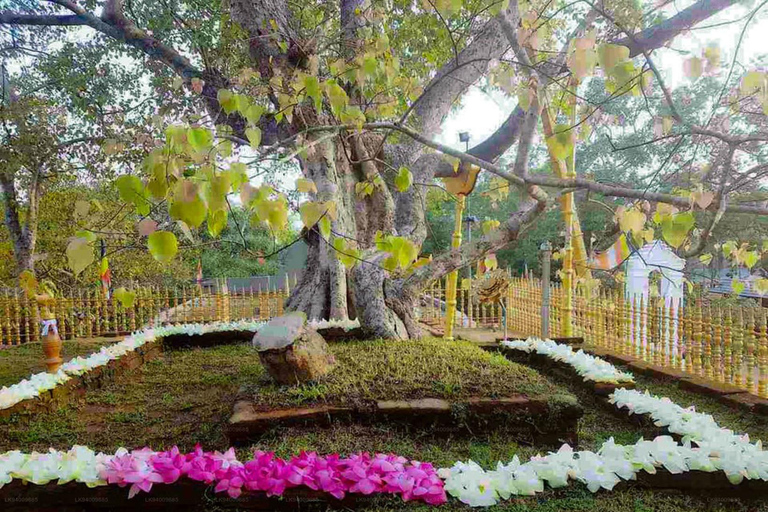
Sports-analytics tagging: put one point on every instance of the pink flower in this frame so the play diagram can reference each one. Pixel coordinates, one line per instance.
(131, 468)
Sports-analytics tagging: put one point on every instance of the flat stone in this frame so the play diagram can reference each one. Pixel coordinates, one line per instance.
(280, 332)
(291, 352)
(430, 405)
(708, 387)
(246, 422)
(393, 406)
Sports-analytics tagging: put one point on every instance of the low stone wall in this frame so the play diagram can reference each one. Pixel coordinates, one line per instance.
(529, 420)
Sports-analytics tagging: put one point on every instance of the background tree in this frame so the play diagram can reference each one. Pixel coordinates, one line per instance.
(353, 90)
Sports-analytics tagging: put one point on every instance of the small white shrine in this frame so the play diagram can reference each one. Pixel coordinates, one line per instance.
(656, 256)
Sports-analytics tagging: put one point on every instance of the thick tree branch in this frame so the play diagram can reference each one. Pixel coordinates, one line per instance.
(658, 35)
(117, 26)
(469, 253)
(45, 20)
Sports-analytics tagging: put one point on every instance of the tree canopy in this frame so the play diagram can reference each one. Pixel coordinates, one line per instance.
(223, 99)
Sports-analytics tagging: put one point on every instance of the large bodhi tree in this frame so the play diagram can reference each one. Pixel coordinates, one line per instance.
(355, 91)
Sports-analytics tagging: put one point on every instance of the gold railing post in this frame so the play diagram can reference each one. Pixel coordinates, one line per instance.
(727, 346)
(738, 347)
(749, 330)
(450, 302)
(716, 343)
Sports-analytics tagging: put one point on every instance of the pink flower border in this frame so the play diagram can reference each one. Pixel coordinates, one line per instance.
(360, 473)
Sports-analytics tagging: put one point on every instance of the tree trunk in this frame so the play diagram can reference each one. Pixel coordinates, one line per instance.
(24, 236)
(327, 289)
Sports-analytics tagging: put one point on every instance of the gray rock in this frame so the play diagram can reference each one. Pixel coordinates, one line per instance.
(291, 352)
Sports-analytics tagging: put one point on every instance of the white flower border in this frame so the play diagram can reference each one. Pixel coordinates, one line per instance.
(42, 382)
(706, 447)
(347, 325)
(590, 368)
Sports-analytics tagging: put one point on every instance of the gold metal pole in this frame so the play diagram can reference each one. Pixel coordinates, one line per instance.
(450, 292)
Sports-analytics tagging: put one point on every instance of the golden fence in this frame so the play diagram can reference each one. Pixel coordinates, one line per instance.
(469, 312)
(88, 313)
(723, 344)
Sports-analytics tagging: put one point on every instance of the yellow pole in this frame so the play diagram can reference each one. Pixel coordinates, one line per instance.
(450, 292)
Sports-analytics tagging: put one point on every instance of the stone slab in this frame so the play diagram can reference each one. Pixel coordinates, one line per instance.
(533, 418)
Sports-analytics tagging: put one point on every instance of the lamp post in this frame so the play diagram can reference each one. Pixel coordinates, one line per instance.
(461, 185)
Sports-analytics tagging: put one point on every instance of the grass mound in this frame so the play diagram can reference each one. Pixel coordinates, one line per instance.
(400, 370)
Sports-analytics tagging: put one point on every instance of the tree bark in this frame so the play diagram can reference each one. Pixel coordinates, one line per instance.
(23, 237)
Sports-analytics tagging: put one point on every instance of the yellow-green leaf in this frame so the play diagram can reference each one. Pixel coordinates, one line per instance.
(760, 285)
(201, 139)
(306, 186)
(192, 212)
(705, 259)
(737, 286)
(79, 254)
(750, 258)
(28, 282)
(609, 55)
(163, 246)
(227, 100)
(217, 221)
(254, 136)
(124, 297)
(675, 228)
(630, 220)
(404, 179)
(346, 254)
(561, 143)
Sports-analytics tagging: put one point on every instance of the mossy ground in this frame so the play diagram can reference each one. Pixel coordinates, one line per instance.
(434, 368)
(186, 396)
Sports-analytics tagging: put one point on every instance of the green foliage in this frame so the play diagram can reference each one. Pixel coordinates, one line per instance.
(163, 245)
(404, 179)
(402, 251)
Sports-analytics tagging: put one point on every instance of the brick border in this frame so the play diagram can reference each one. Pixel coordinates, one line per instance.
(439, 416)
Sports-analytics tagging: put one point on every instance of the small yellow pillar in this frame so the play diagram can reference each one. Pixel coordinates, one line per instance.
(453, 277)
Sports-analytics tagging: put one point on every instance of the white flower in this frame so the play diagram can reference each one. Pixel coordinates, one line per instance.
(587, 366)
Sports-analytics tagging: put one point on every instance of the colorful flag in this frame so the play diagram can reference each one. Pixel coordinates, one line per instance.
(106, 276)
(613, 256)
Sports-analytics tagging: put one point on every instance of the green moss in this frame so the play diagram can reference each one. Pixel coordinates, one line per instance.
(375, 370)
